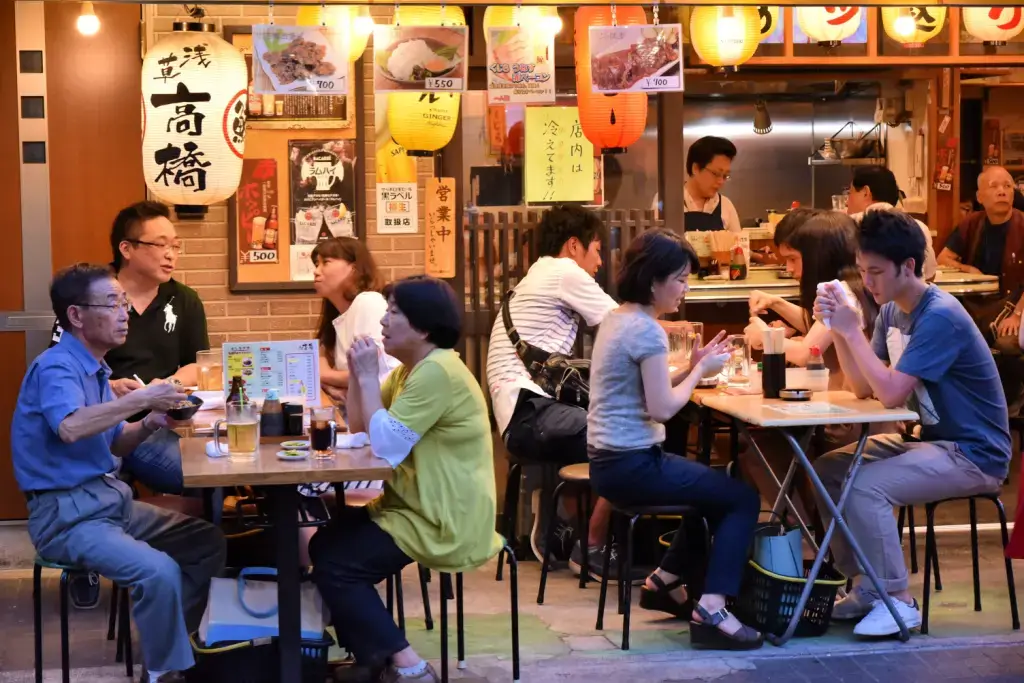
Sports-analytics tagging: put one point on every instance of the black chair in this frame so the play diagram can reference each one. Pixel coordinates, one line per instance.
(575, 479)
(510, 511)
(907, 516)
(623, 522)
(124, 630)
(931, 556)
(394, 588)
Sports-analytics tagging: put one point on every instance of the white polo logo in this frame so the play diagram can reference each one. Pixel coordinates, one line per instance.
(170, 317)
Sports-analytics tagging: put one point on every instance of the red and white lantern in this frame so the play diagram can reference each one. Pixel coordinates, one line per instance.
(993, 25)
(194, 101)
(830, 25)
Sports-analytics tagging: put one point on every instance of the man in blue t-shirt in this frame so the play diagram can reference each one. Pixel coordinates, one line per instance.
(926, 352)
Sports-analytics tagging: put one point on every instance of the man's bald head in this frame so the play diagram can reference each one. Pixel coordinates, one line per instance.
(995, 193)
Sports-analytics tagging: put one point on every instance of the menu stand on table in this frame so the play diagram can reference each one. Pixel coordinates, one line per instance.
(839, 408)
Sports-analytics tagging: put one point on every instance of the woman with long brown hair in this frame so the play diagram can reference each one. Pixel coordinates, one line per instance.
(347, 279)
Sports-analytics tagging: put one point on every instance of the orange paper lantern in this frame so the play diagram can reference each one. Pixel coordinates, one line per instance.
(611, 122)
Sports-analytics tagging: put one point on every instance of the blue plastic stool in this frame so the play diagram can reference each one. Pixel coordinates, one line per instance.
(124, 630)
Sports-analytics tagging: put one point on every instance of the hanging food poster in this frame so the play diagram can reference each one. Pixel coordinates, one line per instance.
(420, 58)
(291, 367)
(323, 189)
(257, 208)
(300, 60)
(520, 65)
(636, 58)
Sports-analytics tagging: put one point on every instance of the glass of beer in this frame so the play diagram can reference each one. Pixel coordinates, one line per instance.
(243, 428)
(322, 432)
(210, 371)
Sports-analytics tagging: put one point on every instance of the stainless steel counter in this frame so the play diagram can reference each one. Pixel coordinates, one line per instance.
(726, 291)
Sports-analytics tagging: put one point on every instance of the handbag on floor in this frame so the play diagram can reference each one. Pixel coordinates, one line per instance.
(779, 549)
(245, 609)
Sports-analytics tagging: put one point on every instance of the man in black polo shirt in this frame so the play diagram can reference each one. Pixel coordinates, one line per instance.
(166, 329)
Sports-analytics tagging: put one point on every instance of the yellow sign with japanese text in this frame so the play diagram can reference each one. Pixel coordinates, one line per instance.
(559, 158)
(440, 227)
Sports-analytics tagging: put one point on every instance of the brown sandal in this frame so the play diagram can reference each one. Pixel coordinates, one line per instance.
(705, 633)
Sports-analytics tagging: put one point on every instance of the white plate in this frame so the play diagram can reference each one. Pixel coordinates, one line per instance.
(295, 445)
(284, 455)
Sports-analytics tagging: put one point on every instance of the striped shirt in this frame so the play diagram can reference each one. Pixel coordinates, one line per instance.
(544, 310)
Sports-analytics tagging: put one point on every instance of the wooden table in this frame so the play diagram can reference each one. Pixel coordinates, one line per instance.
(281, 480)
(796, 421)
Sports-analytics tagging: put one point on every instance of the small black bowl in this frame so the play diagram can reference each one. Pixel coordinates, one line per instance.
(186, 413)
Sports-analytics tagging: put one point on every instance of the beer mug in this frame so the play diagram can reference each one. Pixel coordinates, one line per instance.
(322, 432)
(210, 371)
(243, 428)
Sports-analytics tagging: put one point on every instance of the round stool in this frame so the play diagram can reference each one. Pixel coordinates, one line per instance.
(577, 478)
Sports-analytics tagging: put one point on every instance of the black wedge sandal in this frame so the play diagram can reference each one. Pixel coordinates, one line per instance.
(705, 634)
(661, 600)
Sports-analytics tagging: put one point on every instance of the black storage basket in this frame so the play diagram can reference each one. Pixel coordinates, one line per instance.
(255, 661)
(767, 600)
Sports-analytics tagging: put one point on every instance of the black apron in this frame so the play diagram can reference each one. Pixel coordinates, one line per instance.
(698, 221)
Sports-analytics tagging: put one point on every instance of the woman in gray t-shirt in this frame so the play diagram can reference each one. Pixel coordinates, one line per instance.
(632, 393)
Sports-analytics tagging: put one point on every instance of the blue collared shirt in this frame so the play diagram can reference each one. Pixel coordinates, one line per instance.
(62, 380)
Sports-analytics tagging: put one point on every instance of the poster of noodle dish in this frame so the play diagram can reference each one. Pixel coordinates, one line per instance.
(636, 58)
(299, 60)
(425, 58)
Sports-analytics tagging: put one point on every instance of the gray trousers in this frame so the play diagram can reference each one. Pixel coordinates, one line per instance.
(167, 559)
(894, 473)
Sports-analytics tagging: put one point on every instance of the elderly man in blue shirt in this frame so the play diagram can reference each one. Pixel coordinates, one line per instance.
(67, 430)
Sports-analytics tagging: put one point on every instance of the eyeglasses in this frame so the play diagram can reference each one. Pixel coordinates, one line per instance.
(996, 185)
(124, 304)
(718, 174)
(169, 248)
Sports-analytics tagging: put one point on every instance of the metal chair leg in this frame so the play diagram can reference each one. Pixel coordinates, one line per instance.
(513, 575)
(400, 601)
(913, 539)
(585, 538)
(428, 621)
(510, 511)
(1010, 585)
(621, 568)
(929, 550)
(549, 542)
(446, 580)
(625, 578)
(389, 593)
(603, 595)
(37, 618)
(974, 553)
(125, 629)
(65, 654)
(460, 622)
(112, 617)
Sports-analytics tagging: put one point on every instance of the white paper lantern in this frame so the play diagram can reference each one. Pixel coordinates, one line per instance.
(194, 87)
(831, 25)
(993, 25)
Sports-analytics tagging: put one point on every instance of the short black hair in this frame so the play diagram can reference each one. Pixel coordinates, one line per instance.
(71, 285)
(431, 307)
(893, 235)
(128, 223)
(707, 148)
(559, 224)
(653, 256)
(880, 181)
(791, 222)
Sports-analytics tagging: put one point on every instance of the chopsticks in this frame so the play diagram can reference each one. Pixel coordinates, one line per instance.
(139, 380)
(774, 340)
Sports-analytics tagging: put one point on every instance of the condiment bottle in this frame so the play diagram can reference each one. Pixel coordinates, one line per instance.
(737, 263)
(817, 373)
(272, 417)
(236, 394)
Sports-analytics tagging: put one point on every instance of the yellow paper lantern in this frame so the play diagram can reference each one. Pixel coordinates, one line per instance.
(423, 123)
(544, 19)
(394, 165)
(725, 36)
(913, 26)
(355, 20)
(611, 122)
(829, 26)
(194, 87)
(994, 26)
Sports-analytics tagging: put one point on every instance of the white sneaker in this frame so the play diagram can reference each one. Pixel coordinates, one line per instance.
(856, 605)
(879, 622)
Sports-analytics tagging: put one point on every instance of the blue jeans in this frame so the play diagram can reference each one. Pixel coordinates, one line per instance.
(652, 477)
(157, 463)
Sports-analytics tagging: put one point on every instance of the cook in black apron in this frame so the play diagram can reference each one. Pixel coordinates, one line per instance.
(698, 221)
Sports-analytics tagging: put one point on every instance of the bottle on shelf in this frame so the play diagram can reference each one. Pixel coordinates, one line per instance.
(255, 101)
(270, 230)
(737, 262)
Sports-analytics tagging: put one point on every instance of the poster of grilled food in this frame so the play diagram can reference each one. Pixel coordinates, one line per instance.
(323, 189)
(636, 58)
(300, 60)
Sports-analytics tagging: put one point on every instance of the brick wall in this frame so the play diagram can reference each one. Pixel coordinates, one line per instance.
(204, 261)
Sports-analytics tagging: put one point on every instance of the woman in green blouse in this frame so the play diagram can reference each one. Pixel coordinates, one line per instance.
(429, 421)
